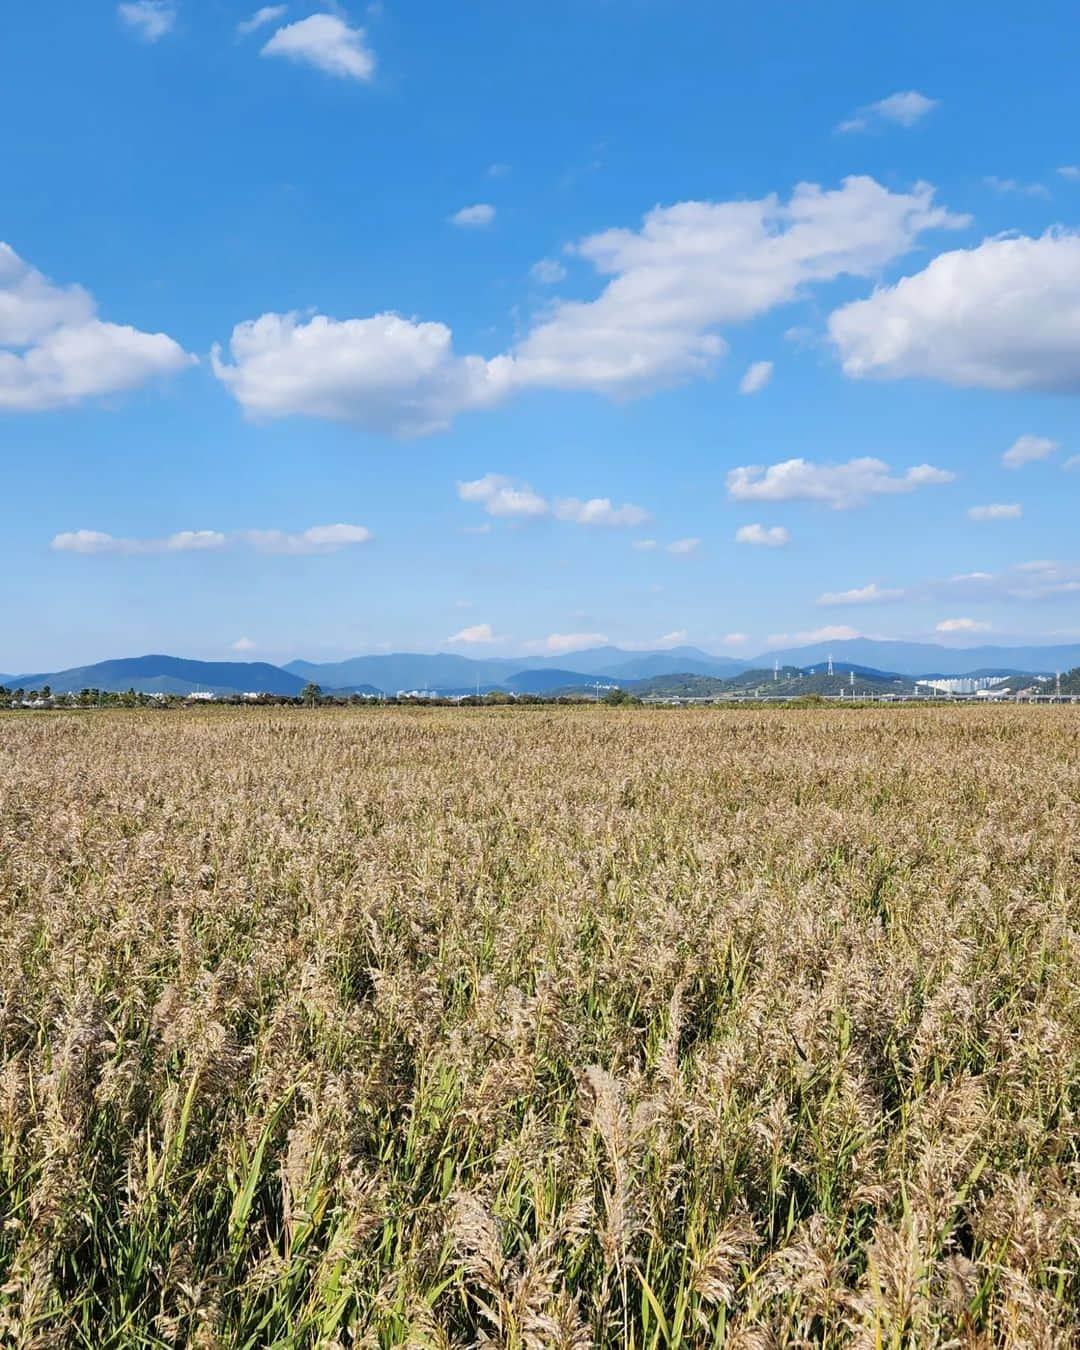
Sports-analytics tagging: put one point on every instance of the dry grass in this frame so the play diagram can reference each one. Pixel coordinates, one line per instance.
(540, 1028)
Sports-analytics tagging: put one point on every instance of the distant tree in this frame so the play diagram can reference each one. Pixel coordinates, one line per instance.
(46, 691)
(311, 694)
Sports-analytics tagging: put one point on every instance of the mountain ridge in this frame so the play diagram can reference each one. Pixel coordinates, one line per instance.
(394, 671)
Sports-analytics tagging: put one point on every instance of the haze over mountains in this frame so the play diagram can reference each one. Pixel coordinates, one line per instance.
(449, 672)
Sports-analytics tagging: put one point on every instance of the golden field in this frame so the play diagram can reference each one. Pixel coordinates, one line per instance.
(540, 1027)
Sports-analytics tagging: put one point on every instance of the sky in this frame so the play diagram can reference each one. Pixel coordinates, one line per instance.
(502, 329)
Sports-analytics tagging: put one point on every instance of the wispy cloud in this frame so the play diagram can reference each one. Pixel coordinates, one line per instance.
(996, 511)
(268, 14)
(872, 594)
(833, 632)
(560, 643)
(963, 625)
(317, 539)
(151, 20)
(756, 378)
(1012, 187)
(684, 547)
(904, 110)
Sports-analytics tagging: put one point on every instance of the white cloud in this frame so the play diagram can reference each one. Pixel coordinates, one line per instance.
(317, 539)
(675, 639)
(690, 269)
(1010, 186)
(771, 536)
(261, 17)
(474, 217)
(567, 642)
(1043, 579)
(834, 632)
(243, 644)
(463, 604)
(756, 378)
(861, 595)
(962, 626)
(1025, 449)
(902, 109)
(1002, 315)
(326, 42)
(548, 271)
(59, 352)
(1072, 463)
(387, 374)
(502, 496)
(837, 485)
(682, 547)
(95, 541)
(599, 511)
(996, 511)
(644, 545)
(734, 640)
(477, 529)
(479, 632)
(1070, 171)
(150, 19)
(498, 170)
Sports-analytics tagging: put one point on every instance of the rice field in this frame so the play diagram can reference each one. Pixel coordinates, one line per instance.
(543, 1027)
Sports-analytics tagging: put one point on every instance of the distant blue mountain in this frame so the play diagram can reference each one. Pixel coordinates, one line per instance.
(167, 675)
(922, 658)
(449, 672)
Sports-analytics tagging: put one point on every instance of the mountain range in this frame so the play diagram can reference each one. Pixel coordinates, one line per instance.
(448, 672)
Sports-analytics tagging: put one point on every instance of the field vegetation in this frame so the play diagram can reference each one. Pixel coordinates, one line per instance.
(543, 1027)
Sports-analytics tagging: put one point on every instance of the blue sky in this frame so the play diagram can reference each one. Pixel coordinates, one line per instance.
(504, 328)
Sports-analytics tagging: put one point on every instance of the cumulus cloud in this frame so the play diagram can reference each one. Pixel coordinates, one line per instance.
(675, 639)
(55, 352)
(837, 485)
(548, 271)
(386, 373)
(261, 17)
(1003, 315)
(317, 539)
(1070, 171)
(962, 626)
(756, 378)
(502, 496)
(644, 545)
(861, 595)
(689, 270)
(772, 536)
(1025, 449)
(996, 511)
(683, 547)
(243, 644)
(734, 640)
(902, 109)
(477, 633)
(474, 217)
(151, 20)
(834, 632)
(599, 511)
(326, 42)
